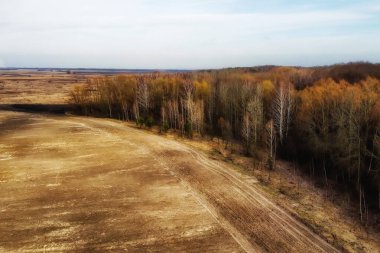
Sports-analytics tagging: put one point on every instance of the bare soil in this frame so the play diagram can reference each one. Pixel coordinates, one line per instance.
(82, 184)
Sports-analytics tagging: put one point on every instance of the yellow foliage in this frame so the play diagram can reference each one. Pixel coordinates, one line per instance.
(268, 87)
(327, 95)
(202, 89)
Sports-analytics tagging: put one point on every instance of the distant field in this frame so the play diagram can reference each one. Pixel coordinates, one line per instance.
(50, 86)
(28, 86)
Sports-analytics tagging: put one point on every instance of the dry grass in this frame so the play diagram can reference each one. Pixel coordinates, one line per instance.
(37, 87)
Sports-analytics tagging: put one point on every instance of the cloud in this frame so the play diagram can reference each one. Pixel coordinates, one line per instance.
(195, 33)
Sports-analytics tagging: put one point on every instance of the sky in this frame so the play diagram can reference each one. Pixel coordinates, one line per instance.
(187, 34)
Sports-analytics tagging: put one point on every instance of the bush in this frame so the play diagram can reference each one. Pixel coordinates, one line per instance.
(165, 127)
(139, 122)
(270, 163)
(149, 122)
(188, 129)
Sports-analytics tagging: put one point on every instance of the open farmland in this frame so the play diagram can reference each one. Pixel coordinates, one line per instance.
(37, 87)
(81, 184)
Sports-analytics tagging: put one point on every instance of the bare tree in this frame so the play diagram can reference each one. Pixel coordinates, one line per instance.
(163, 118)
(289, 109)
(198, 116)
(143, 97)
(271, 144)
(283, 104)
(188, 106)
(256, 113)
(171, 114)
(246, 131)
(174, 117)
(136, 111)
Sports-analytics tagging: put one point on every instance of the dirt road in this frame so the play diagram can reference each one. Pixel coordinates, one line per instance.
(83, 184)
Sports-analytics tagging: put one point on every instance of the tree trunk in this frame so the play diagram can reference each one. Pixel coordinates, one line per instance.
(360, 204)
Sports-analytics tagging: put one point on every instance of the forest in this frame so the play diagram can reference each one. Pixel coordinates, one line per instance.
(326, 119)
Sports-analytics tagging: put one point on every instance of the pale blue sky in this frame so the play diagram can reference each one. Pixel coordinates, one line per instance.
(187, 33)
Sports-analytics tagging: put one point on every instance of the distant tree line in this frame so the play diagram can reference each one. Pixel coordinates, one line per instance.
(328, 124)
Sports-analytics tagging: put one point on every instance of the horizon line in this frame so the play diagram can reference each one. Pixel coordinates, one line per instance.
(187, 69)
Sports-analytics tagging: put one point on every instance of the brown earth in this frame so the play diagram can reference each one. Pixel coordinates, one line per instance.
(82, 184)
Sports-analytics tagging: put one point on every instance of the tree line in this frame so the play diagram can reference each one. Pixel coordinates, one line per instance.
(329, 125)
